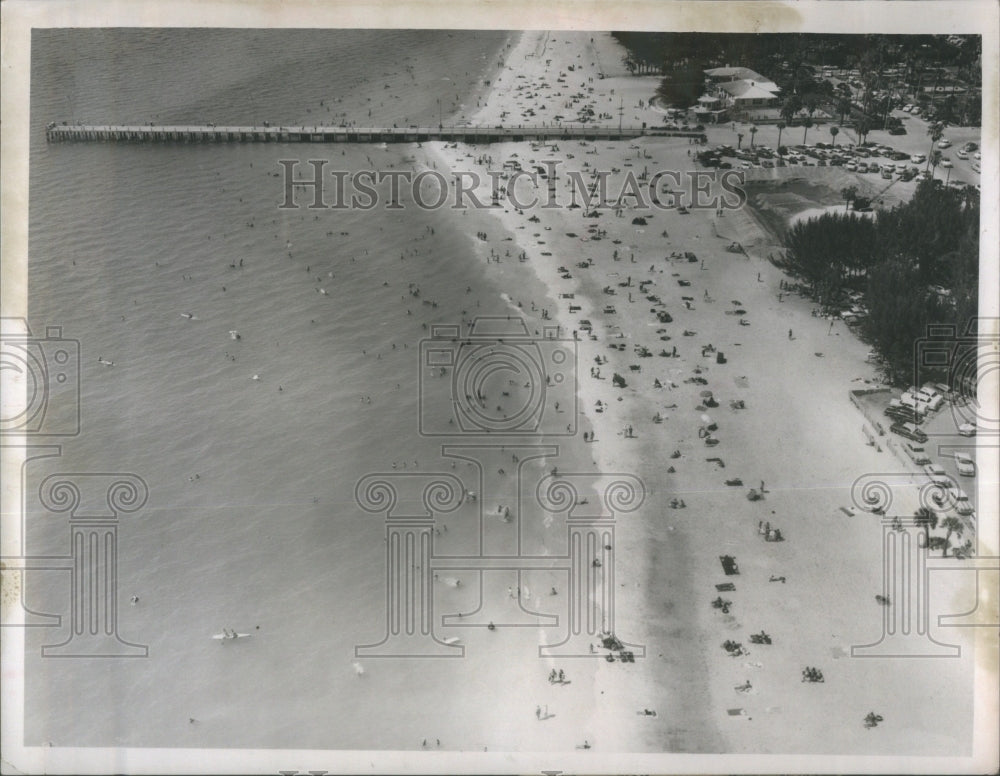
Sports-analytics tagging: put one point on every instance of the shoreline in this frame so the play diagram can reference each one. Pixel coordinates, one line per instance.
(663, 598)
(617, 693)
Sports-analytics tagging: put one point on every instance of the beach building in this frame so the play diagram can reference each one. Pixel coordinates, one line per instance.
(741, 90)
(709, 109)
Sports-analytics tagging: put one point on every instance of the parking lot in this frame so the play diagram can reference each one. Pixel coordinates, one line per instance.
(943, 441)
(821, 147)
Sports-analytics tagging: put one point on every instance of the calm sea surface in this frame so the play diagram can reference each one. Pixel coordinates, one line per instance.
(251, 519)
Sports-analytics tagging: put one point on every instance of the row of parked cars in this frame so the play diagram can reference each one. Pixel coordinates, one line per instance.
(860, 158)
(911, 409)
(949, 492)
(914, 405)
(866, 158)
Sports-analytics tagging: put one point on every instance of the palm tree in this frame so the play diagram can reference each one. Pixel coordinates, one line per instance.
(811, 103)
(864, 127)
(739, 140)
(953, 526)
(927, 519)
(833, 134)
(843, 107)
(806, 123)
(849, 193)
(886, 110)
(935, 160)
(791, 106)
(781, 126)
(753, 132)
(934, 130)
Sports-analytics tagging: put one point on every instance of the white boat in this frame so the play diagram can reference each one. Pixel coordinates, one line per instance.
(228, 635)
(452, 640)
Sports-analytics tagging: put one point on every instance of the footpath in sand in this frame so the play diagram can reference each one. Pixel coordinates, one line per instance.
(732, 384)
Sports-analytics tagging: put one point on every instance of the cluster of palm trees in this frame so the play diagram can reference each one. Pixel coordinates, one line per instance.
(927, 519)
(935, 131)
(782, 126)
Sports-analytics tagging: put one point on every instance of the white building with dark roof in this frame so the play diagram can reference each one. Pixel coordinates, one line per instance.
(741, 88)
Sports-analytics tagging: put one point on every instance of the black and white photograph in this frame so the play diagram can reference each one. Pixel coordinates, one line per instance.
(500, 387)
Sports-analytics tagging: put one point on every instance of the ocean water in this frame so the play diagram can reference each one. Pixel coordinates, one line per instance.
(251, 520)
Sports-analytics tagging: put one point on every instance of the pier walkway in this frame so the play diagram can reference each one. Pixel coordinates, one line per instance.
(211, 133)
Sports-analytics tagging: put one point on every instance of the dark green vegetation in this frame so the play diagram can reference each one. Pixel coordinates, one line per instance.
(916, 264)
(877, 71)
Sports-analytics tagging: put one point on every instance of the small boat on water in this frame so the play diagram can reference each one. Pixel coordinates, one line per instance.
(452, 640)
(229, 635)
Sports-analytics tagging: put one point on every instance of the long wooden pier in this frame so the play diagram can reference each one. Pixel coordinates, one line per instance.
(210, 133)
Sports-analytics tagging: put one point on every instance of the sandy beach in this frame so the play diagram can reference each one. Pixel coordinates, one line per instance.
(794, 436)
(263, 360)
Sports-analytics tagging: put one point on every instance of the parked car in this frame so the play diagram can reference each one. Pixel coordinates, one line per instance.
(966, 466)
(946, 163)
(961, 154)
(910, 431)
(967, 429)
(900, 414)
(933, 470)
(944, 143)
(931, 399)
(897, 131)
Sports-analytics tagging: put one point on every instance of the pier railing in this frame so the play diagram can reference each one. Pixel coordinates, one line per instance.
(210, 133)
